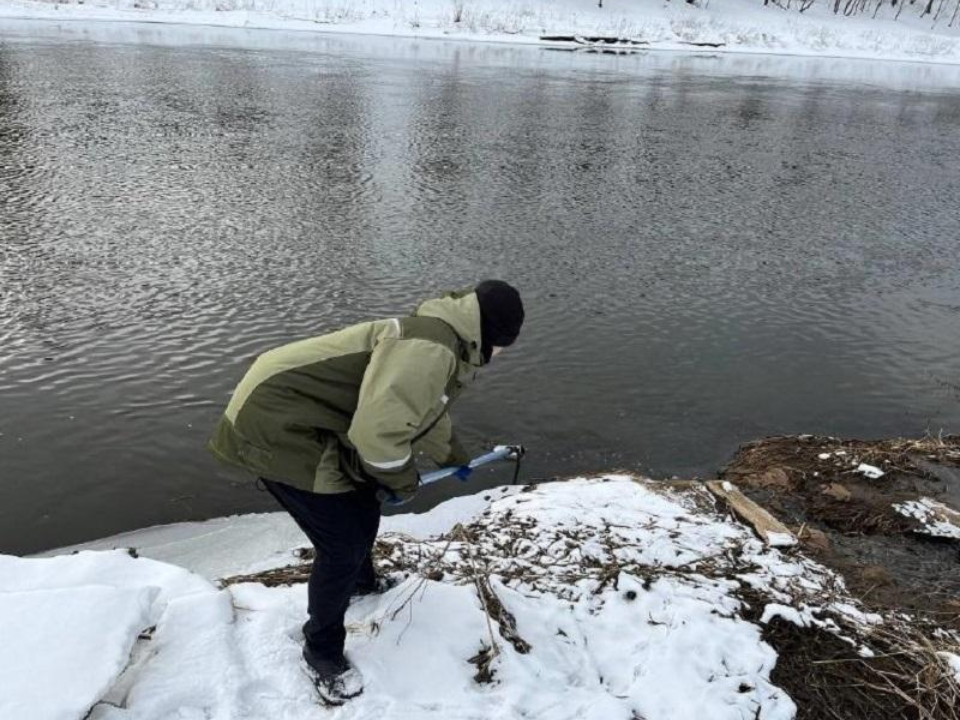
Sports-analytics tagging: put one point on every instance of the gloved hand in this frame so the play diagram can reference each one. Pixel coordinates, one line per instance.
(463, 473)
(386, 495)
(397, 496)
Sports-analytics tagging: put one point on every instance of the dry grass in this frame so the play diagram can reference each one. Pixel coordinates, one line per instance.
(799, 455)
(828, 680)
(867, 507)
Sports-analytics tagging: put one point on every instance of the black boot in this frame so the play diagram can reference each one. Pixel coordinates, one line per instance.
(336, 680)
(379, 585)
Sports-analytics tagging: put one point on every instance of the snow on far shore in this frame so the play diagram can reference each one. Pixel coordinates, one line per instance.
(592, 598)
(739, 25)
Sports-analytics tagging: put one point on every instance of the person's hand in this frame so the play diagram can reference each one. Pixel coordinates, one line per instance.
(388, 496)
(463, 473)
(397, 496)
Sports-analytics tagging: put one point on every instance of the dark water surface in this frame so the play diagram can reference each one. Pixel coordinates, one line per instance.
(711, 249)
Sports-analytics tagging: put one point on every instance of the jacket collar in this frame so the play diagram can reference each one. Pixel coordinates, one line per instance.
(461, 311)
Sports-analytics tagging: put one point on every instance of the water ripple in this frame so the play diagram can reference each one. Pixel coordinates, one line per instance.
(705, 256)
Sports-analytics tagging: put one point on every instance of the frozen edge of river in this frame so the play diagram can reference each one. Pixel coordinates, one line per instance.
(743, 26)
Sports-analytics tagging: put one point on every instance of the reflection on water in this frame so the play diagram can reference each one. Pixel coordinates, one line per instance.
(711, 249)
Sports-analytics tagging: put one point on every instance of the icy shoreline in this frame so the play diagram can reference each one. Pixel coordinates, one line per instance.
(607, 597)
(735, 26)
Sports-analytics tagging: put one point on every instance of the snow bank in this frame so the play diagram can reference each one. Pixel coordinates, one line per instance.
(244, 544)
(68, 624)
(214, 548)
(738, 25)
(115, 569)
(63, 648)
(592, 598)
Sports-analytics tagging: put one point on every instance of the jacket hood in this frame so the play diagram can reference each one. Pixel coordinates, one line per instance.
(461, 311)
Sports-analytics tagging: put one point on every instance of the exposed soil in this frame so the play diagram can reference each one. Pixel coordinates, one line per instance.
(848, 520)
(829, 680)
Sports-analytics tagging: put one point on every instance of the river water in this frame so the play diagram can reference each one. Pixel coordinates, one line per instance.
(711, 249)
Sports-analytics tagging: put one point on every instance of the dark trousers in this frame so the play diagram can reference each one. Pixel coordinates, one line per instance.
(342, 528)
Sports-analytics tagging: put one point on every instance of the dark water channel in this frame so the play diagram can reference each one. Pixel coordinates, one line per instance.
(711, 249)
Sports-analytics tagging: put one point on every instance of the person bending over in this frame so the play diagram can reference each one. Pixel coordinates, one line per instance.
(331, 425)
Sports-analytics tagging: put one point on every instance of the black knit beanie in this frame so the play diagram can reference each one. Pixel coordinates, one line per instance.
(501, 315)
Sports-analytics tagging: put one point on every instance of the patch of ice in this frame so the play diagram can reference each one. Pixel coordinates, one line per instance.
(855, 614)
(213, 548)
(824, 456)
(871, 471)
(786, 612)
(115, 569)
(932, 515)
(778, 539)
(243, 544)
(953, 661)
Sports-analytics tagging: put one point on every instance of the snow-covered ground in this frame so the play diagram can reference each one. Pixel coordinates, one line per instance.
(243, 544)
(592, 598)
(738, 25)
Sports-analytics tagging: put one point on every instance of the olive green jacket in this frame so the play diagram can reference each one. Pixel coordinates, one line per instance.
(356, 405)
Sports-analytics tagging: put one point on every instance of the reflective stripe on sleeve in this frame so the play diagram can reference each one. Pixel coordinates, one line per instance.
(391, 464)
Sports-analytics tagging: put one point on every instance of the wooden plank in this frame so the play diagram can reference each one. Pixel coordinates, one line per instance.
(768, 528)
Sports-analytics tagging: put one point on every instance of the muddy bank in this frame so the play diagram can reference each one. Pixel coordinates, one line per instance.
(880, 513)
